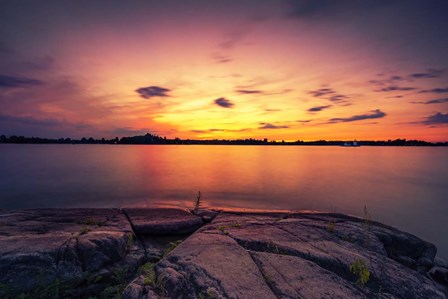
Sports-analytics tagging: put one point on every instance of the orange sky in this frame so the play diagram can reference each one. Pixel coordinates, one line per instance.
(223, 70)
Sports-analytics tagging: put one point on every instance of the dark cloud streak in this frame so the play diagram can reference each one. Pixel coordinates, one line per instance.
(435, 101)
(232, 39)
(322, 92)
(11, 82)
(222, 58)
(330, 95)
(248, 91)
(152, 91)
(268, 126)
(436, 119)
(392, 80)
(431, 73)
(225, 103)
(395, 88)
(318, 108)
(377, 113)
(338, 98)
(435, 90)
(221, 130)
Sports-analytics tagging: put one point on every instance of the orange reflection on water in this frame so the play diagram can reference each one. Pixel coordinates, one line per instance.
(402, 186)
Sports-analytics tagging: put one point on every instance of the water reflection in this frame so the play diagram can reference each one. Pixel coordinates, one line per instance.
(405, 187)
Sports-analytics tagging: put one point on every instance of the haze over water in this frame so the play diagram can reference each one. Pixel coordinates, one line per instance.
(401, 186)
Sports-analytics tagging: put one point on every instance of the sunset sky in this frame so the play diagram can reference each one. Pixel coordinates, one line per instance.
(321, 69)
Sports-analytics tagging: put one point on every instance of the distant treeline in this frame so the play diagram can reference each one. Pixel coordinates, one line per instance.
(154, 139)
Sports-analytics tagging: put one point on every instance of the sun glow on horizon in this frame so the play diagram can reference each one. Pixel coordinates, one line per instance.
(224, 70)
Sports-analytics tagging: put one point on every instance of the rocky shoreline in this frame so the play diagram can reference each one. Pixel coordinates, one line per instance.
(172, 253)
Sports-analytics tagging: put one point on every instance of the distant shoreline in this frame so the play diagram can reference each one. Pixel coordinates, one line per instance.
(150, 139)
(235, 144)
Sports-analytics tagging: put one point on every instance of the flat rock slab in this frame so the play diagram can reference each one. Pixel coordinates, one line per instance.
(42, 229)
(163, 221)
(334, 244)
(40, 247)
(296, 255)
(293, 277)
(211, 266)
(236, 255)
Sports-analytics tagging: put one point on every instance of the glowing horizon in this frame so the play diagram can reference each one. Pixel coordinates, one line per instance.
(283, 70)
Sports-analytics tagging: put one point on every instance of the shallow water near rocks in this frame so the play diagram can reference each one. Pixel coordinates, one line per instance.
(402, 186)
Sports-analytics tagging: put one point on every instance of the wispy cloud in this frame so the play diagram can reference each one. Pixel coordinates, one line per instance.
(269, 126)
(338, 98)
(331, 95)
(42, 64)
(222, 58)
(435, 101)
(435, 90)
(231, 39)
(431, 73)
(12, 81)
(318, 108)
(229, 42)
(395, 88)
(221, 130)
(397, 83)
(249, 91)
(394, 82)
(436, 119)
(153, 91)
(28, 120)
(390, 80)
(225, 103)
(377, 113)
(322, 92)
(48, 122)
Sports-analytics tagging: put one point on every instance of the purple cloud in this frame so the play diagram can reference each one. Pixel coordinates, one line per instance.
(435, 101)
(395, 88)
(225, 103)
(318, 108)
(435, 90)
(436, 119)
(377, 113)
(10, 81)
(153, 91)
(268, 126)
(248, 91)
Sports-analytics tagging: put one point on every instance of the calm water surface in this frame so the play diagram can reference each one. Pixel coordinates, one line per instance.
(406, 187)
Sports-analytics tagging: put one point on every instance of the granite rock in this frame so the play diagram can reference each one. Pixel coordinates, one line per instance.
(42, 250)
(163, 221)
(95, 252)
